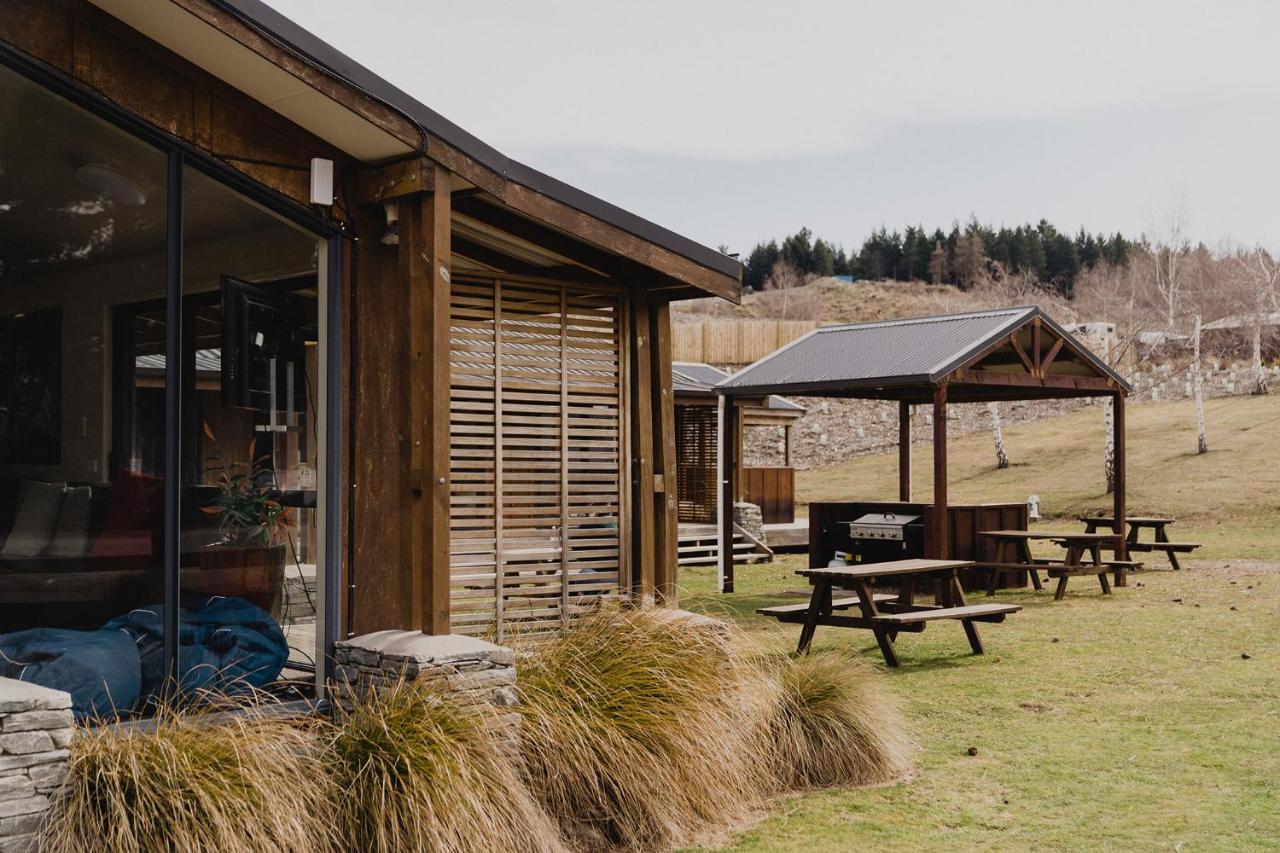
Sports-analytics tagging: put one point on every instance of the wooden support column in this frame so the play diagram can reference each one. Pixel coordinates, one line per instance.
(642, 495)
(904, 451)
(786, 446)
(424, 269)
(731, 475)
(667, 525)
(941, 547)
(1118, 508)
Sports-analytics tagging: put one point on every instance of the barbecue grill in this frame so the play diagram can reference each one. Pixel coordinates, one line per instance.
(880, 536)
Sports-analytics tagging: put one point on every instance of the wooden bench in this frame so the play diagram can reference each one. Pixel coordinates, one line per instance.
(844, 603)
(976, 612)
(1171, 549)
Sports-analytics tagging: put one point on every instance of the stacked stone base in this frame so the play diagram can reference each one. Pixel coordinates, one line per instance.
(35, 731)
(474, 672)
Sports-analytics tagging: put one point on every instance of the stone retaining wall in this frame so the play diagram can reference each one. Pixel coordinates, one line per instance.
(35, 731)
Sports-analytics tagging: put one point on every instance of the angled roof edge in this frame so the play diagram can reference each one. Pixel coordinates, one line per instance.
(1019, 316)
(263, 18)
(694, 385)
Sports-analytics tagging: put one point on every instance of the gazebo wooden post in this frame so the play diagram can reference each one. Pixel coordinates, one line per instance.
(904, 451)
(1118, 509)
(786, 445)
(940, 544)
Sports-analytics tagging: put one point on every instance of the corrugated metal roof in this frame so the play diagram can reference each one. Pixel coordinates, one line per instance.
(694, 377)
(893, 352)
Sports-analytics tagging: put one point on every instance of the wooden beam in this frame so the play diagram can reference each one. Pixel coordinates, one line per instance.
(1022, 354)
(1035, 344)
(642, 497)
(904, 451)
(424, 266)
(728, 488)
(1051, 355)
(666, 567)
(377, 184)
(1118, 509)
(1097, 384)
(941, 547)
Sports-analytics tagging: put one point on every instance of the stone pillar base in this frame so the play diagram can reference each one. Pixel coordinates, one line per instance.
(474, 672)
(35, 731)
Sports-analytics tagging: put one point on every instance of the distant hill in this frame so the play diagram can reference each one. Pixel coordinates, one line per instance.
(829, 300)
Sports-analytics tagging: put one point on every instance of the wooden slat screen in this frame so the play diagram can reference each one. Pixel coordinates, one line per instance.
(536, 453)
(696, 449)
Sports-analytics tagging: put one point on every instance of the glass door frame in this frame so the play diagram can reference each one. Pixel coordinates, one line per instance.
(330, 241)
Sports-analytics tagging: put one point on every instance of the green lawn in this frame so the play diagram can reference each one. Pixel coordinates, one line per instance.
(1099, 722)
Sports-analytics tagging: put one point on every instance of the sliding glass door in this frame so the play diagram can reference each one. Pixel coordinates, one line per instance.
(164, 366)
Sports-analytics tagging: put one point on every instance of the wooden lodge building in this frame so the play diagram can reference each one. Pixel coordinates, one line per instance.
(226, 247)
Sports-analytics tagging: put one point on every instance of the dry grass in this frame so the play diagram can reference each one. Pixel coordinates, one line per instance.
(640, 732)
(832, 726)
(183, 783)
(419, 772)
(832, 301)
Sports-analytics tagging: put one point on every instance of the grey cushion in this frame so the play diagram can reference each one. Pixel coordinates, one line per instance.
(71, 536)
(36, 518)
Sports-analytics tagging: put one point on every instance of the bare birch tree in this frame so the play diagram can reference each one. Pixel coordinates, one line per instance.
(1259, 292)
(1109, 447)
(1197, 387)
(1170, 256)
(1002, 458)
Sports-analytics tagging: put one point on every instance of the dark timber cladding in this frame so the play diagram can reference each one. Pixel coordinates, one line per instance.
(985, 356)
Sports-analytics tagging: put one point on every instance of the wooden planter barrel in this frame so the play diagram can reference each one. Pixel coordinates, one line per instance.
(252, 572)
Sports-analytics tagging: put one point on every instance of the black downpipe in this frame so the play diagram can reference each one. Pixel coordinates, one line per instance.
(173, 387)
(333, 443)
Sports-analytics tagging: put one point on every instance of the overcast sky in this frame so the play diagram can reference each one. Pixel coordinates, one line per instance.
(736, 121)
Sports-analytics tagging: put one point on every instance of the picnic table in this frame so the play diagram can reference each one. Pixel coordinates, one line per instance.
(1134, 543)
(883, 614)
(1077, 545)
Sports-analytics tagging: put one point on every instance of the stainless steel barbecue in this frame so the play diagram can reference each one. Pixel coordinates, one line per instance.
(886, 526)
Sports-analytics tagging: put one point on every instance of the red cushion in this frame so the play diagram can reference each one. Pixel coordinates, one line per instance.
(135, 514)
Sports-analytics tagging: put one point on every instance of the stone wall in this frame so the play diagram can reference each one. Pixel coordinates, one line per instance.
(474, 671)
(832, 430)
(35, 731)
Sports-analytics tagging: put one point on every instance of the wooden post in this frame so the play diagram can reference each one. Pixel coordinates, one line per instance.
(424, 267)
(1118, 498)
(941, 546)
(904, 451)
(729, 455)
(786, 445)
(642, 524)
(667, 528)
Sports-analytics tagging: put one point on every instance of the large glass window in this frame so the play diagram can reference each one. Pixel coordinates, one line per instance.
(86, 416)
(251, 358)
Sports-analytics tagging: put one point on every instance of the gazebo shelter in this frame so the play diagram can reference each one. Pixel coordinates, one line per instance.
(985, 356)
(693, 386)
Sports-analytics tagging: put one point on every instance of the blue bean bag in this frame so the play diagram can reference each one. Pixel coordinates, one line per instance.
(100, 669)
(224, 644)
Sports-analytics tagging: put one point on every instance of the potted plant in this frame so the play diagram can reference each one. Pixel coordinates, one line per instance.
(248, 560)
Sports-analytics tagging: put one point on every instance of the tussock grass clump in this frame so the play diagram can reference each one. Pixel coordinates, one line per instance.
(183, 783)
(640, 731)
(419, 772)
(831, 726)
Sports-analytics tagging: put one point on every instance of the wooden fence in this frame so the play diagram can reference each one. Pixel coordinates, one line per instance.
(734, 341)
(773, 490)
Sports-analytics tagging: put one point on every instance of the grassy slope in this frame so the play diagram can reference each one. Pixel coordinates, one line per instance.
(1142, 726)
(1228, 499)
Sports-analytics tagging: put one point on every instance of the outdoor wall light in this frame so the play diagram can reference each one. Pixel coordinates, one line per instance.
(391, 236)
(111, 185)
